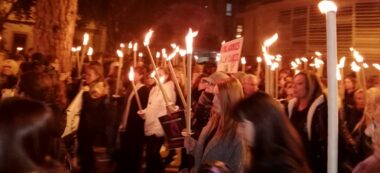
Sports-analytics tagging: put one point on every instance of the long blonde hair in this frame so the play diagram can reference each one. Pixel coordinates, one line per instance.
(371, 117)
(230, 93)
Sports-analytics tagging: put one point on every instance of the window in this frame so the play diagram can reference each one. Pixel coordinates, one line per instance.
(239, 31)
(228, 9)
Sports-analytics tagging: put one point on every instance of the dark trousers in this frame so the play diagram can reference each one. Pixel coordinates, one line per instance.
(86, 155)
(153, 158)
(130, 153)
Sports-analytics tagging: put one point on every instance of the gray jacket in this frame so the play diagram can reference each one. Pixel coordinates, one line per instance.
(228, 150)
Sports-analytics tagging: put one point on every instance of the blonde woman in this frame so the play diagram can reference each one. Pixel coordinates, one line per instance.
(372, 120)
(219, 139)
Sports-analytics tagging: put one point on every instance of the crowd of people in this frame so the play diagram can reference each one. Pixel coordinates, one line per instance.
(236, 126)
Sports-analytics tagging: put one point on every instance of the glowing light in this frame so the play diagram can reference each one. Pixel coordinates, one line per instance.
(318, 62)
(131, 74)
(152, 74)
(259, 59)
(147, 37)
(189, 41)
(355, 67)
(171, 56)
(158, 55)
(122, 45)
(90, 51)
(182, 52)
(141, 54)
(274, 66)
(271, 40)
(342, 62)
(338, 75)
(73, 49)
(130, 45)
(196, 57)
(135, 47)
(243, 60)
(319, 54)
(86, 38)
(278, 57)
(303, 59)
(377, 66)
(79, 48)
(173, 45)
(223, 42)
(217, 58)
(294, 65)
(19, 49)
(327, 6)
(298, 61)
(365, 65)
(120, 53)
(359, 58)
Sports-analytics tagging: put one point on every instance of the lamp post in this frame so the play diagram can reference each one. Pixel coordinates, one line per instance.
(329, 8)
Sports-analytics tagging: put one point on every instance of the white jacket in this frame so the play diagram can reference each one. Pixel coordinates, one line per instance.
(157, 108)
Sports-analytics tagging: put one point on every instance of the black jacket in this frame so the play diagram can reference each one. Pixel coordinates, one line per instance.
(316, 127)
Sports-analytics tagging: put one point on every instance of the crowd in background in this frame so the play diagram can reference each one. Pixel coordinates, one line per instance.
(236, 126)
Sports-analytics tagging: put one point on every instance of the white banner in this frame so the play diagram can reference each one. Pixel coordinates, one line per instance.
(72, 114)
(230, 56)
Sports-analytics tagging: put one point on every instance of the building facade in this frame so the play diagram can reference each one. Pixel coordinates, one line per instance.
(302, 29)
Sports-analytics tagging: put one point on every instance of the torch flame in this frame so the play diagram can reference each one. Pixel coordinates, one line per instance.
(377, 66)
(304, 59)
(152, 74)
(359, 58)
(158, 55)
(274, 66)
(355, 67)
(86, 38)
(73, 49)
(294, 65)
(298, 61)
(259, 59)
(90, 51)
(135, 47)
(147, 37)
(318, 62)
(120, 53)
(79, 48)
(319, 54)
(342, 61)
(327, 6)
(196, 57)
(173, 45)
(122, 45)
(271, 40)
(243, 61)
(162, 79)
(365, 65)
(338, 75)
(130, 45)
(217, 58)
(141, 54)
(189, 41)
(182, 52)
(171, 56)
(131, 74)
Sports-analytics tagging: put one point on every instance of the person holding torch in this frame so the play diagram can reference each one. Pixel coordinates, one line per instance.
(160, 99)
(131, 127)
